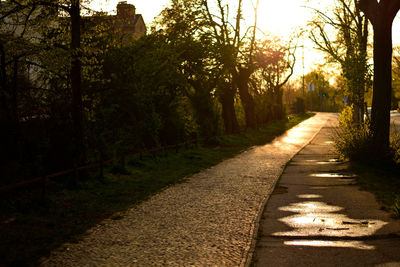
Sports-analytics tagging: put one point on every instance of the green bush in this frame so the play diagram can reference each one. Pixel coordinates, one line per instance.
(395, 144)
(396, 207)
(353, 141)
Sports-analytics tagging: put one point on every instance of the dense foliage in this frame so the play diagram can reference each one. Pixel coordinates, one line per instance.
(342, 34)
(354, 141)
(71, 96)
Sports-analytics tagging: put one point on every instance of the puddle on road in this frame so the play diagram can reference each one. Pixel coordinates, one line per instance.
(334, 175)
(310, 207)
(309, 196)
(319, 187)
(319, 219)
(344, 177)
(314, 161)
(317, 160)
(325, 162)
(324, 243)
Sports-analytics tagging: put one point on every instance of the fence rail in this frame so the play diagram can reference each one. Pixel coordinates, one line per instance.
(100, 165)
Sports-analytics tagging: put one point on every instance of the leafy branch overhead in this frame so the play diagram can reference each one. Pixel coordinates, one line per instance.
(343, 36)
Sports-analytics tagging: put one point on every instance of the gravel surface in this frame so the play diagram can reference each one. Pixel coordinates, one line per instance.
(210, 219)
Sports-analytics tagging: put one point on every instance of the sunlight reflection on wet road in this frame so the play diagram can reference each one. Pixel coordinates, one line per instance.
(314, 218)
(325, 243)
(319, 219)
(333, 175)
(318, 216)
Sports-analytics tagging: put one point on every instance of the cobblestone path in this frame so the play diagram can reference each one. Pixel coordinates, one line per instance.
(208, 220)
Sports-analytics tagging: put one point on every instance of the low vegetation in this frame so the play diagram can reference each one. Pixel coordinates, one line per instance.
(352, 140)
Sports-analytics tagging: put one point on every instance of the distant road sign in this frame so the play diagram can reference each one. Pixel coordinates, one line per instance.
(311, 87)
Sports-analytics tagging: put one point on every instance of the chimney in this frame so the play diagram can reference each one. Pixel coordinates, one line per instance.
(125, 10)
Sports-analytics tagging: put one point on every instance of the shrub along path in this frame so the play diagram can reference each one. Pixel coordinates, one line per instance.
(210, 219)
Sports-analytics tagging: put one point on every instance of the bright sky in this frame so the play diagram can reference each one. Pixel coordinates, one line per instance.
(270, 16)
(280, 17)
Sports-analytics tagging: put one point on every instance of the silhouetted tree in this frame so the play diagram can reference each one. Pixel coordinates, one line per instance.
(381, 14)
(15, 51)
(276, 63)
(181, 24)
(348, 47)
(227, 41)
(245, 67)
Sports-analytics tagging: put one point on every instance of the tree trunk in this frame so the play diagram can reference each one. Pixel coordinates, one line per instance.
(202, 102)
(5, 114)
(227, 100)
(3, 73)
(242, 82)
(8, 110)
(358, 111)
(278, 110)
(76, 84)
(381, 14)
(280, 104)
(380, 117)
(14, 92)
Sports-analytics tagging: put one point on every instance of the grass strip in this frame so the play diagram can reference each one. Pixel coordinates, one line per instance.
(32, 226)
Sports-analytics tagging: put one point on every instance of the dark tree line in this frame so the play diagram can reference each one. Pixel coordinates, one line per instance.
(72, 92)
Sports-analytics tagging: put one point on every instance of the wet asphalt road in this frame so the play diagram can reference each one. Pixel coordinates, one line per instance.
(318, 216)
(395, 119)
(209, 220)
